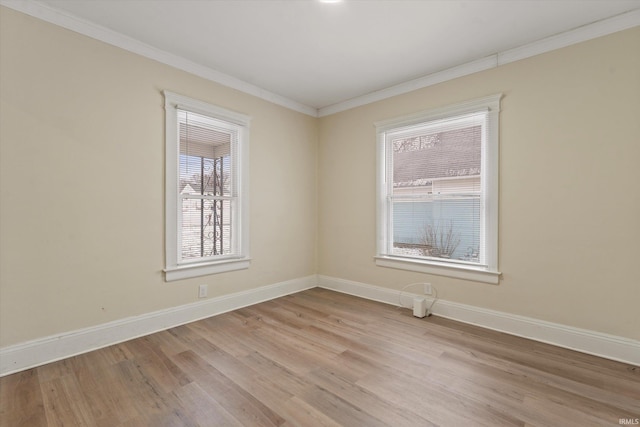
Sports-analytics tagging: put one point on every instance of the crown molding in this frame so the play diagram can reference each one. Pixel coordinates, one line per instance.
(406, 87)
(587, 32)
(103, 34)
(581, 34)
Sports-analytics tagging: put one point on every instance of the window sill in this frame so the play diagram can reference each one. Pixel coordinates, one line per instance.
(203, 269)
(475, 274)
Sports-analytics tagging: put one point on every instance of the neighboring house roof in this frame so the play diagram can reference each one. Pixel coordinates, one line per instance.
(186, 188)
(194, 187)
(448, 154)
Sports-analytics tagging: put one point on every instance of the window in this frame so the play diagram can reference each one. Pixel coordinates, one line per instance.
(438, 191)
(206, 188)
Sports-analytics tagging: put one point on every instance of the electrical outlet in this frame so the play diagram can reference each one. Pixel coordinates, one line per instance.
(202, 291)
(427, 289)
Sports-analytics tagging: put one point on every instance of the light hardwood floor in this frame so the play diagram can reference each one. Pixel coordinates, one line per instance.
(320, 358)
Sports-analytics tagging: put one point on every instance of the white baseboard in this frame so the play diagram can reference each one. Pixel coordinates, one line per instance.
(582, 340)
(50, 349)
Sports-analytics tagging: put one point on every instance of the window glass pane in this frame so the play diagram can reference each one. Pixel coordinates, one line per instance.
(206, 150)
(206, 227)
(206, 186)
(205, 176)
(436, 191)
(438, 156)
(447, 228)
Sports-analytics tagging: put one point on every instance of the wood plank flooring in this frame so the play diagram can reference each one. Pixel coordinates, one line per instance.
(321, 358)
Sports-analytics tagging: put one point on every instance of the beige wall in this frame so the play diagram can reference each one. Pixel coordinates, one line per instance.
(82, 185)
(569, 197)
(82, 181)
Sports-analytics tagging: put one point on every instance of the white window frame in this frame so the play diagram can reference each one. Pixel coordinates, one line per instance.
(175, 269)
(488, 273)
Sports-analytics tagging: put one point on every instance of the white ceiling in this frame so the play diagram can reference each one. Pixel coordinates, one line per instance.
(322, 55)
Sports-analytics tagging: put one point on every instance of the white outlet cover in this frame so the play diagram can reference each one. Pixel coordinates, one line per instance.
(202, 291)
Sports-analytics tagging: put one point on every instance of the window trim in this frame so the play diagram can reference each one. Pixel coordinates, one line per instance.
(241, 260)
(490, 170)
